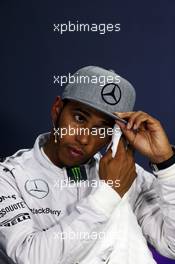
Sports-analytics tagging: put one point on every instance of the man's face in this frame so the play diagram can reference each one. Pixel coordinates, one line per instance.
(87, 135)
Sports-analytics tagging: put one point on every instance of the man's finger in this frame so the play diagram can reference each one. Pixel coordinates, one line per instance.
(123, 114)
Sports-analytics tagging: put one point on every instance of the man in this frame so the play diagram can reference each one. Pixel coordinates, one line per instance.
(41, 209)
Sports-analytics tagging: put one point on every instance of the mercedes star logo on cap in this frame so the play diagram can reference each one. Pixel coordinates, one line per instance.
(37, 188)
(111, 93)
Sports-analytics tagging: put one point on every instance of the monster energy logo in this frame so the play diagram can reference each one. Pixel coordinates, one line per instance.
(76, 173)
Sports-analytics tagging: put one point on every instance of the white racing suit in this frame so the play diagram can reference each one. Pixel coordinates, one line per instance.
(45, 219)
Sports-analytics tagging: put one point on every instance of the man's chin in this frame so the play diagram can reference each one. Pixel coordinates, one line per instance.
(73, 163)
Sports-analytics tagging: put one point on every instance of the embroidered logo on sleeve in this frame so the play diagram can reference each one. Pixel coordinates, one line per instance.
(15, 220)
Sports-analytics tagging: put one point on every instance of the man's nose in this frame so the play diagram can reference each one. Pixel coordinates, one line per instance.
(82, 139)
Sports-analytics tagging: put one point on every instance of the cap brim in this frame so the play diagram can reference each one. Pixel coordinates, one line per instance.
(97, 108)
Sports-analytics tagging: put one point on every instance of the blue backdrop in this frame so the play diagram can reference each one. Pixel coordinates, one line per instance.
(32, 53)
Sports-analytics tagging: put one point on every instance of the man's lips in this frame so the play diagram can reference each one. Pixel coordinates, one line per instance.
(75, 152)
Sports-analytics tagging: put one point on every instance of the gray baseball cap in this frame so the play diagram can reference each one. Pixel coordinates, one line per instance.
(102, 89)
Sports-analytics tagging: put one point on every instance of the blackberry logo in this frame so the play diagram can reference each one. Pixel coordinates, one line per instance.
(45, 211)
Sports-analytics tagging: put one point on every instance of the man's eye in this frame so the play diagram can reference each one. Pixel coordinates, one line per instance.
(79, 118)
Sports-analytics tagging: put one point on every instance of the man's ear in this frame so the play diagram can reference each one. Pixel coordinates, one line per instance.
(56, 109)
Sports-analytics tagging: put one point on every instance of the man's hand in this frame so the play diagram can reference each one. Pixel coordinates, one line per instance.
(120, 170)
(146, 134)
